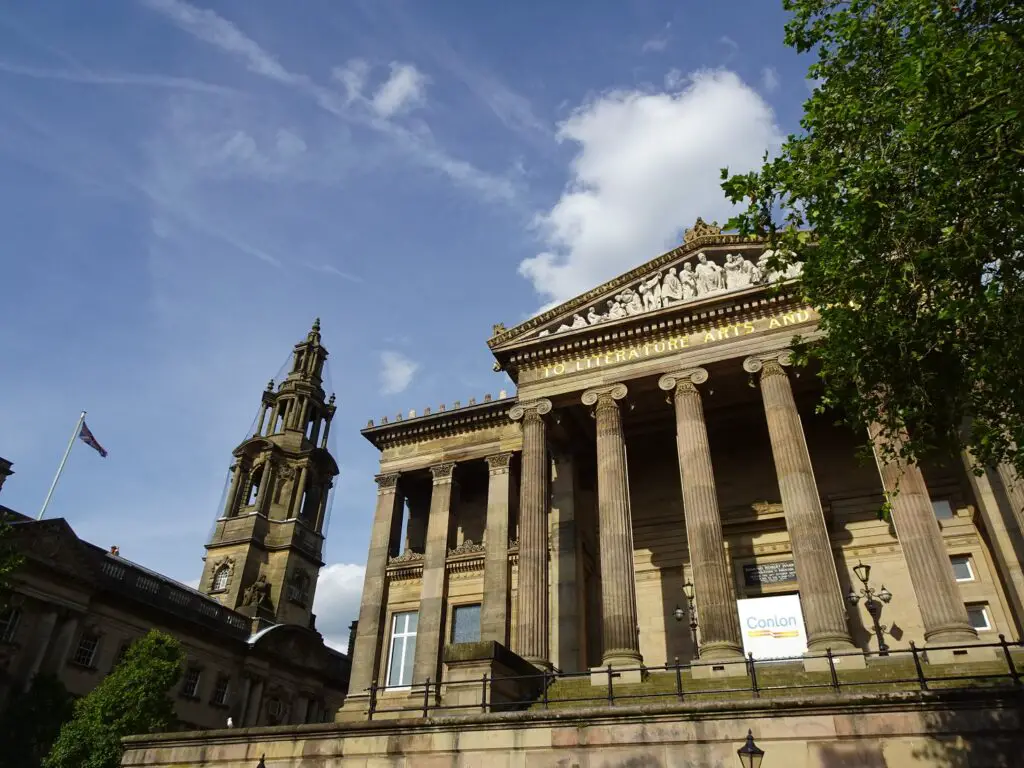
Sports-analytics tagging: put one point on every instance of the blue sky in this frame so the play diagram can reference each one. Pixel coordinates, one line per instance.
(185, 187)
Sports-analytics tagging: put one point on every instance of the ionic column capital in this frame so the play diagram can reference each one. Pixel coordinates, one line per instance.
(498, 463)
(387, 483)
(604, 395)
(683, 381)
(443, 472)
(532, 409)
(769, 363)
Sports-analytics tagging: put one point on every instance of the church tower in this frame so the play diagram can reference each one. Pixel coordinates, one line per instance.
(266, 550)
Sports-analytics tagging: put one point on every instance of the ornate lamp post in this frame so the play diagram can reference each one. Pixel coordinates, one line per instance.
(678, 613)
(750, 754)
(873, 601)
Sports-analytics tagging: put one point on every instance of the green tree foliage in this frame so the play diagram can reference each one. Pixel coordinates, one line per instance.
(132, 699)
(31, 721)
(10, 558)
(909, 169)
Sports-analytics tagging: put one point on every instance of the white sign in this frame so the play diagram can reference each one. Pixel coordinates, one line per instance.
(773, 627)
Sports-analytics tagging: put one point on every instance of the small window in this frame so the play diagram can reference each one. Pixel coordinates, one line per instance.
(978, 616)
(220, 691)
(298, 588)
(466, 623)
(190, 687)
(962, 568)
(85, 653)
(9, 624)
(943, 509)
(220, 578)
(254, 486)
(403, 649)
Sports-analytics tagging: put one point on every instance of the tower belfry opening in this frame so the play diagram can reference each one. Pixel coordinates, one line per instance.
(266, 549)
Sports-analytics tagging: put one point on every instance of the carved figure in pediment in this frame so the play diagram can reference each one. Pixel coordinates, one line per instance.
(593, 317)
(752, 271)
(632, 302)
(653, 300)
(710, 276)
(671, 288)
(615, 310)
(257, 593)
(578, 322)
(795, 269)
(734, 276)
(689, 281)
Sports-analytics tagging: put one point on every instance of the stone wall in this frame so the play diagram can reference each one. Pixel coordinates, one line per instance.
(965, 729)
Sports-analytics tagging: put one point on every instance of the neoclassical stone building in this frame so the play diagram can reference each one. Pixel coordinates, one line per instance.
(659, 436)
(253, 652)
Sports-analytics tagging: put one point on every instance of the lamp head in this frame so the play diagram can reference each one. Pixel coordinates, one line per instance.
(688, 590)
(852, 597)
(885, 595)
(678, 613)
(863, 572)
(750, 754)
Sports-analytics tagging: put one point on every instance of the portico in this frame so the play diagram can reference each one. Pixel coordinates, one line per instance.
(658, 435)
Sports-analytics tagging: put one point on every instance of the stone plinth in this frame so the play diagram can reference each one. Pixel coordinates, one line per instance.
(465, 666)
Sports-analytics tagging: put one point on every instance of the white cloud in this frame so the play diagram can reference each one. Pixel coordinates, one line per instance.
(336, 604)
(770, 79)
(396, 372)
(729, 43)
(353, 77)
(405, 88)
(658, 43)
(648, 164)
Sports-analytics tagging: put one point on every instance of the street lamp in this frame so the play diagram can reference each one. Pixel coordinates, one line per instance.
(678, 613)
(873, 601)
(750, 754)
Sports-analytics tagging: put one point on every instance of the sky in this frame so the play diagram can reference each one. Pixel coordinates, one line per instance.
(184, 187)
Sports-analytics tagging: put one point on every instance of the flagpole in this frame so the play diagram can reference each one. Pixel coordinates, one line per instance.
(71, 443)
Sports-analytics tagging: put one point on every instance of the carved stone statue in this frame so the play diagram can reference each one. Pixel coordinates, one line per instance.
(710, 276)
(257, 593)
(593, 318)
(671, 288)
(689, 281)
(700, 229)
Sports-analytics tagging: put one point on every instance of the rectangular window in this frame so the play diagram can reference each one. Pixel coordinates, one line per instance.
(190, 687)
(9, 624)
(85, 653)
(220, 691)
(466, 623)
(978, 616)
(943, 509)
(962, 567)
(403, 649)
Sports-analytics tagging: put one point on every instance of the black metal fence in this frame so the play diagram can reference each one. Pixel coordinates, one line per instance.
(610, 693)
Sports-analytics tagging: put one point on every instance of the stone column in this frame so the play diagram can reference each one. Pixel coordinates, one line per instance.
(931, 573)
(494, 619)
(231, 500)
(821, 596)
(255, 707)
(300, 492)
(430, 629)
(1014, 487)
(567, 600)
(530, 638)
(42, 640)
(620, 630)
(712, 572)
(263, 417)
(370, 637)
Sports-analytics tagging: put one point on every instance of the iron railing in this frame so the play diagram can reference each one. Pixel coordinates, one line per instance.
(610, 694)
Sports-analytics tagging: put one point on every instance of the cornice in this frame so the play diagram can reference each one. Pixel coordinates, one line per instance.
(441, 424)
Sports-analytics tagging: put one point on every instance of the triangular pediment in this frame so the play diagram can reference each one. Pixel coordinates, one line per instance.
(704, 268)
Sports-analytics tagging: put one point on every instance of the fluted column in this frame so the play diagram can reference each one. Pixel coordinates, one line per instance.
(530, 636)
(494, 611)
(620, 630)
(1014, 486)
(370, 638)
(231, 500)
(720, 636)
(821, 596)
(931, 573)
(430, 629)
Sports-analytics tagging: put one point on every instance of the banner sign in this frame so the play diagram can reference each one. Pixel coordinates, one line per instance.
(773, 627)
(769, 573)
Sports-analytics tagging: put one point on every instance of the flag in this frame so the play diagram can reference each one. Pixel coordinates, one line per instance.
(86, 435)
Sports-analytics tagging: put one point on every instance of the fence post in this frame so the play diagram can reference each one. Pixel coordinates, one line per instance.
(832, 669)
(917, 666)
(544, 684)
(679, 680)
(426, 697)
(1014, 674)
(483, 694)
(373, 700)
(753, 676)
(611, 692)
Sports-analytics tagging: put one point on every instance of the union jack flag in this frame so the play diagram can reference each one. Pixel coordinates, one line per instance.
(87, 437)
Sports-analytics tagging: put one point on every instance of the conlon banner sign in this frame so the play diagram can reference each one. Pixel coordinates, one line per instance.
(773, 627)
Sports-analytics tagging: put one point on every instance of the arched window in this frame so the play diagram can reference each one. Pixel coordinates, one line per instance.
(254, 486)
(298, 588)
(221, 577)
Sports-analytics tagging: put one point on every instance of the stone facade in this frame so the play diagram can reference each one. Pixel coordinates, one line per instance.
(666, 441)
(253, 653)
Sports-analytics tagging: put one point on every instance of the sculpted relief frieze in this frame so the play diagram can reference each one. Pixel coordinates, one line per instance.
(694, 279)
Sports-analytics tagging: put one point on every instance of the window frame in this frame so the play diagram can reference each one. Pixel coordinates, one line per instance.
(967, 559)
(82, 639)
(224, 569)
(12, 620)
(983, 607)
(392, 635)
(222, 687)
(948, 503)
(194, 692)
(480, 616)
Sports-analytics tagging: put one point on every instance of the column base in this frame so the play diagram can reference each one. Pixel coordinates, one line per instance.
(725, 666)
(839, 645)
(627, 669)
(968, 654)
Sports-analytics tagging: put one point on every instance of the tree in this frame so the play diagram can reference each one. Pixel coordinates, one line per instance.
(909, 171)
(131, 699)
(31, 721)
(10, 558)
